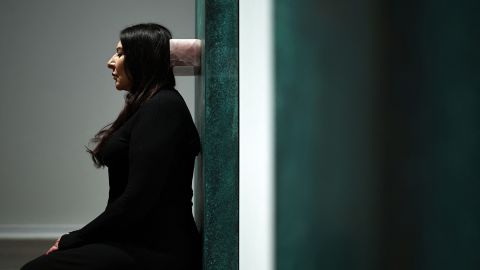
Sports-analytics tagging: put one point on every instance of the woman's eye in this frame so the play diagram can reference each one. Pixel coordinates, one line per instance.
(119, 54)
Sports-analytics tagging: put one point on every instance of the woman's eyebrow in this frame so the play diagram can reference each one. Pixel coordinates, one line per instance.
(118, 49)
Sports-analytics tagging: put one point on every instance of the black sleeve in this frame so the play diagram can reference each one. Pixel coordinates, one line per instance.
(153, 138)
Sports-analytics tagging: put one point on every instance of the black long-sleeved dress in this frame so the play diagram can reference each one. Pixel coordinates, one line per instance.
(150, 161)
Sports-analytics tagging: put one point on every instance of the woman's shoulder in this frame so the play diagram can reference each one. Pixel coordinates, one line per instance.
(166, 101)
(167, 97)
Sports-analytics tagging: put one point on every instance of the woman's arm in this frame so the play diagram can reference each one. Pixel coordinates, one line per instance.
(153, 141)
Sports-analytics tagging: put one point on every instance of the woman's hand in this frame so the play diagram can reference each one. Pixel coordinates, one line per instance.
(54, 247)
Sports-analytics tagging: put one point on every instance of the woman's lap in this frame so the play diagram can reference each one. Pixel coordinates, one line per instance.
(96, 256)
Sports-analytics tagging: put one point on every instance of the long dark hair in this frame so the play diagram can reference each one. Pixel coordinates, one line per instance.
(146, 48)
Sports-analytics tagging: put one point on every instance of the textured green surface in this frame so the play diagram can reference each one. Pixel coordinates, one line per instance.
(217, 118)
(377, 134)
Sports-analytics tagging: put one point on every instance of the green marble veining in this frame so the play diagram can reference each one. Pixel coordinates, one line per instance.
(217, 119)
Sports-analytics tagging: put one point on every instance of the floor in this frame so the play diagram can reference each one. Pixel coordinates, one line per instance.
(15, 253)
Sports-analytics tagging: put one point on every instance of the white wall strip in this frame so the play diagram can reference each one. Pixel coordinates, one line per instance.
(36, 231)
(256, 136)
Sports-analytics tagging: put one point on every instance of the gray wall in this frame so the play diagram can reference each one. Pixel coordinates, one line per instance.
(56, 93)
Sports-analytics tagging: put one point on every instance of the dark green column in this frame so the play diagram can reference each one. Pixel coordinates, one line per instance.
(430, 116)
(326, 205)
(217, 186)
(377, 134)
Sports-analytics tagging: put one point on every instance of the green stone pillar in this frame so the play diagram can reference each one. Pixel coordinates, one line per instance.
(377, 134)
(326, 205)
(430, 117)
(217, 170)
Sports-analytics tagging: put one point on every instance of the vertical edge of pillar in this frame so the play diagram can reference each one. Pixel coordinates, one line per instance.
(199, 196)
(199, 118)
(216, 99)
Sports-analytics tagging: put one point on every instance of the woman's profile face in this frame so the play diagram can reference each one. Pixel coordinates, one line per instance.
(122, 82)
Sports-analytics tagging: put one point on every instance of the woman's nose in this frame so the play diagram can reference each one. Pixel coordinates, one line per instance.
(111, 63)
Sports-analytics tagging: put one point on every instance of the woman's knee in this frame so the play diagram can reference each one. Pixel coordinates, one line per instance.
(92, 256)
(39, 263)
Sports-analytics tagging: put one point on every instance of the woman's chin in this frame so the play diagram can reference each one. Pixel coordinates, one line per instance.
(118, 86)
